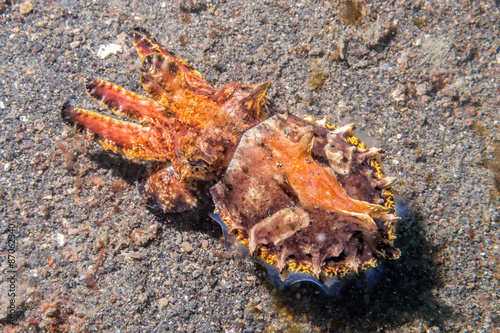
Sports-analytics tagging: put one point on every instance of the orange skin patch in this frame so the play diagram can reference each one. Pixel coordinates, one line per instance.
(315, 185)
(185, 123)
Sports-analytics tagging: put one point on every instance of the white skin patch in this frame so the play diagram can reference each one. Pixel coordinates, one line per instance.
(321, 237)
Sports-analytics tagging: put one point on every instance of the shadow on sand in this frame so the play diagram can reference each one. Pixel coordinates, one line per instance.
(136, 172)
(128, 170)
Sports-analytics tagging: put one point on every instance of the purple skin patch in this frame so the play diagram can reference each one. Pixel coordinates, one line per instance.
(308, 197)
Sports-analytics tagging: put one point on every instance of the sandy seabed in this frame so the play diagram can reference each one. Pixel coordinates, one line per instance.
(419, 78)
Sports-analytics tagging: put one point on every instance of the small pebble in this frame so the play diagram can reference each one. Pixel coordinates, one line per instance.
(187, 247)
(422, 89)
(75, 31)
(25, 7)
(41, 24)
(134, 255)
(75, 44)
(108, 49)
(193, 305)
(399, 94)
(60, 240)
(163, 302)
(196, 274)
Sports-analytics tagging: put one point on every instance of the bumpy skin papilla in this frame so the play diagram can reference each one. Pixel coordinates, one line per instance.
(185, 123)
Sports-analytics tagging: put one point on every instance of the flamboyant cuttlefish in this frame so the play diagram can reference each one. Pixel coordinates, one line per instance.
(307, 198)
